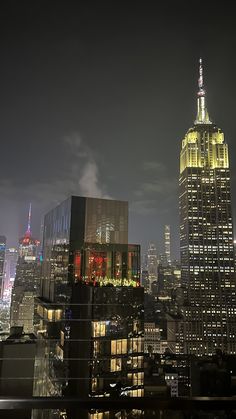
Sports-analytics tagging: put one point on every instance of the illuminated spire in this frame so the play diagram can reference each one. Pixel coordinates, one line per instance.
(201, 91)
(28, 232)
(202, 114)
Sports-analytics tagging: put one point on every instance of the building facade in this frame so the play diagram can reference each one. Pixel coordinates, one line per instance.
(152, 265)
(167, 244)
(206, 235)
(17, 355)
(153, 342)
(91, 304)
(10, 272)
(2, 263)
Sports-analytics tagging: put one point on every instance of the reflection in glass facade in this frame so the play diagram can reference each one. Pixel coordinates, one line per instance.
(206, 237)
(91, 306)
(106, 221)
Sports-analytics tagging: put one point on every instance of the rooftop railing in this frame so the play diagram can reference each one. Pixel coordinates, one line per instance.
(113, 404)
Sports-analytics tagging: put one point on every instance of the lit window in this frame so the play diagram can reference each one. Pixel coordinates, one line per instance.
(119, 346)
(138, 378)
(115, 364)
(94, 384)
(98, 329)
(136, 345)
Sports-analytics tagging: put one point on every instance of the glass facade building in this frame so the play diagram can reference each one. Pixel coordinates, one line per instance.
(91, 304)
(206, 236)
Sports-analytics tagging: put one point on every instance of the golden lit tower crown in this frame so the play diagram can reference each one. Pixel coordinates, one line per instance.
(203, 144)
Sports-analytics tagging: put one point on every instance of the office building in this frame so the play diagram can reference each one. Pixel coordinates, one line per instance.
(206, 235)
(152, 265)
(10, 272)
(153, 341)
(144, 280)
(167, 244)
(2, 263)
(172, 382)
(91, 304)
(17, 356)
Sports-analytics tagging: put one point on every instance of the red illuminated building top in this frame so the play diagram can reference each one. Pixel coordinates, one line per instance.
(27, 240)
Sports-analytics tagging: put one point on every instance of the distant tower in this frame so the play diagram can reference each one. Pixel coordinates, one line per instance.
(27, 281)
(152, 264)
(28, 246)
(206, 235)
(2, 262)
(10, 272)
(167, 244)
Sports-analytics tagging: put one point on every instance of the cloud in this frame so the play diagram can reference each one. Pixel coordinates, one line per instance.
(159, 186)
(153, 166)
(89, 181)
(78, 174)
(79, 177)
(76, 146)
(155, 194)
(85, 168)
(143, 207)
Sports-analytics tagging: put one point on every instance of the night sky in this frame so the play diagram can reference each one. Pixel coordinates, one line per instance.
(96, 98)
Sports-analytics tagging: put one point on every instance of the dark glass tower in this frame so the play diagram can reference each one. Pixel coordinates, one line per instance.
(206, 235)
(91, 304)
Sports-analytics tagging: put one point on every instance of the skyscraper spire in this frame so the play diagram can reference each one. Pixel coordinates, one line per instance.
(28, 232)
(202, 114)
(201, 91)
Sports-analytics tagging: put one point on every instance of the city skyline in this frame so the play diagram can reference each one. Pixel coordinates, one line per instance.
(118, 210)
(90, 117)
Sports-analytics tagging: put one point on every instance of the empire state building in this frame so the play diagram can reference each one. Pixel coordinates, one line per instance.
(206, 236)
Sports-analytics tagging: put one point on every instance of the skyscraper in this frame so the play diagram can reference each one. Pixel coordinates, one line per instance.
(27, 281)
(167, 244)
(10, 272)
(206, 235)
(91, 303)
(2, 262)
(152, 264)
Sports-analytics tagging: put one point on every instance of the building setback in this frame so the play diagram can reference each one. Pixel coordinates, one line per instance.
(206, 236)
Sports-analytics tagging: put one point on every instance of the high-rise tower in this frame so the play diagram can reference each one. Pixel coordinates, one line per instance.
(152, 265)
(167, 244)
(10, 272)
(91, 303)
(2, 261)
(206, 235)
(27, 281)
